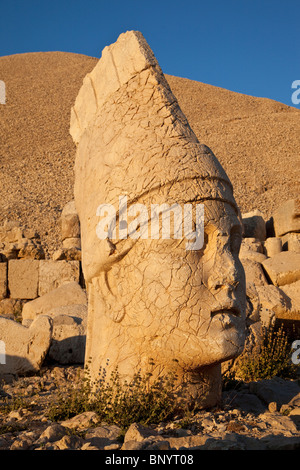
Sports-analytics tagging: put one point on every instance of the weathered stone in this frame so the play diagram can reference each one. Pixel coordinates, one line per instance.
(103, 435)
(69, 254)
(287, 217)
(254, 273)
(30, 249)
(67, 294)
(291, 242)
(273, 246)
(283, 268)
(3, 280)
(275, 390)
(11, 307)
(25, 348)
(52, 433)
(69, 334)
(70, 226)
(70, 243)
(147, 296)
(53, 274)
(273, 303)
(82, 421)
(23, 278)
(292, 291)
(137, 432)
(254, 225)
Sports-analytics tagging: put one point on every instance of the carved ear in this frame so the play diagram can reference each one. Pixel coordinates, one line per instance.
(107, 288)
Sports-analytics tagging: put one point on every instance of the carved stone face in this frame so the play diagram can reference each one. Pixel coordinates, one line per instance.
(183, 305)
(153, 298)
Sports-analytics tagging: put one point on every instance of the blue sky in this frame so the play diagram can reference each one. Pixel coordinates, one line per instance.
(248, 46)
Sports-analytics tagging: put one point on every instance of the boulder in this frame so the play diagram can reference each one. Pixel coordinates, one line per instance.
(65, 295)
(287, 217)
(283, 268)
(25, 348)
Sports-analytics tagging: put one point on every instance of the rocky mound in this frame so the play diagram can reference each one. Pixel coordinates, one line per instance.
(255, 139)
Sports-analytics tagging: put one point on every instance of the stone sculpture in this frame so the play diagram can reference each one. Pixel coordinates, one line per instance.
(153, 305)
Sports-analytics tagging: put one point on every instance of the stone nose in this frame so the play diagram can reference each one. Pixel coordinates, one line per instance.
(223, 274)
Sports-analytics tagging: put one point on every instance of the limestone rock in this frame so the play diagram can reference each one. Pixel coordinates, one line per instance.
(291, 242)
(272, 246)
(65, 295)
(69, 334)
(254, 273)
(70, 226)
(287, 217)
(25, 348)
(292, 291)
(23, 278)
(53, 274)
(283, 268)
(273, 303)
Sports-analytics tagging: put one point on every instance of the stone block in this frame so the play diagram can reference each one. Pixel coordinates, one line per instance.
(287, 217)
(254, 225)
(283, 268)
(53, 274)
(25, 348)
(65, 295)
(3, 280)
(293, 292)
(291, 242)
(23, 278)
(272, 246)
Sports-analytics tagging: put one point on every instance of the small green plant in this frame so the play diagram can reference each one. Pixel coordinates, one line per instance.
(274, 358)
(122, 403)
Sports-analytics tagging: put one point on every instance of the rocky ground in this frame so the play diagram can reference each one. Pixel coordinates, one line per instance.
(262, 415)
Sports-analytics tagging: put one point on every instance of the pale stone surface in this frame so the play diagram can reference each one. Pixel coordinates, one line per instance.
(25, 348)
(65, 295)
(53, 274)
(283, 268)
(291, 242)
(70, 226)
(293, 292)
(273, 302)
(23, 278)
(287, 217)
(69, 243)
(69, 334)
(273, 246)
(3, 280)
(254, 273)
(254, 225)
(152, 299)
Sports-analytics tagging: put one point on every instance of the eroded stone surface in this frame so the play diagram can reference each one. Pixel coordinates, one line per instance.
(152, 299)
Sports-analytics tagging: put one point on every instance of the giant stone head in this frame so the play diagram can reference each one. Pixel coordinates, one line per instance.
(160, 229)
